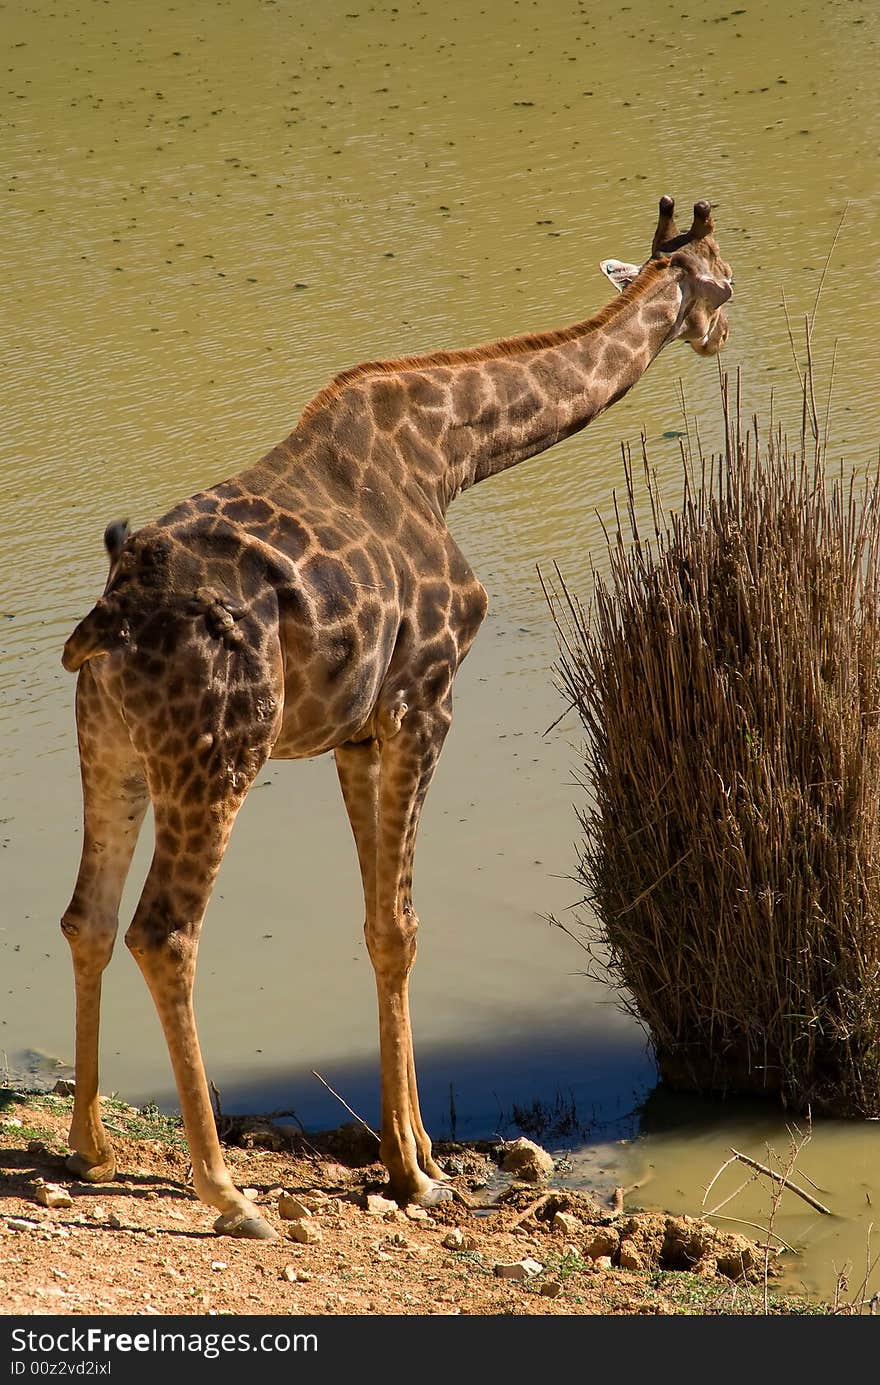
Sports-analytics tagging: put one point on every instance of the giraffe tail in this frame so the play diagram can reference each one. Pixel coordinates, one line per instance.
(105, 627)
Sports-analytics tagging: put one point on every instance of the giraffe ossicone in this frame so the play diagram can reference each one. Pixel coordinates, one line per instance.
(317, 602)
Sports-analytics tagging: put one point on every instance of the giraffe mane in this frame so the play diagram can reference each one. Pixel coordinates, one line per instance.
(505, 347)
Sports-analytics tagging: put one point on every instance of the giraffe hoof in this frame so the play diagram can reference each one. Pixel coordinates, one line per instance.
(79, 1166)
(435, 1193)
(251, 1228)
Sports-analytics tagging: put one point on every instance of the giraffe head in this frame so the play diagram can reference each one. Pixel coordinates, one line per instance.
(704, 278)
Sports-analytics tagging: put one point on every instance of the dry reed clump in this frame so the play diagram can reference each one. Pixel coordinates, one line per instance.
(728, 678)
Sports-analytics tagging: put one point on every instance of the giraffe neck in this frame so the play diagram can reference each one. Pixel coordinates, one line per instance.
(520, 406)
(453, 418)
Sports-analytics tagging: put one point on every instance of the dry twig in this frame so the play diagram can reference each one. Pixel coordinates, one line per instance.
(786, 1182)
(360, 1120)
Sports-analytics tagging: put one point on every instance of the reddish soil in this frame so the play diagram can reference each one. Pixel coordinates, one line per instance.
(144, 1245)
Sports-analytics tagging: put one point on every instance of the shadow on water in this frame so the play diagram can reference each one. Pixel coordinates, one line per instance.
(471, 1093)
(679, 1114)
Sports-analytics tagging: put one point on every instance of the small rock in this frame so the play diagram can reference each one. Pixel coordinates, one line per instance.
(251, 1193)
(602, 1242)
(291, 1209)
(551, 1204)
(527, 1160)
(453, 1240)
(59, 1274)
(51, 1195)
(306, 1233)
(377, 1205)
(289, 1273)
(630, 1258)
(416, 1213)
(337, 1173)
(19, 1224)
(567, 1222)
(517, 1269)
(551, 1288)
(114, 1221)
(98, 1212)
(64, 1087)
(602, 1262)
(218, 1265)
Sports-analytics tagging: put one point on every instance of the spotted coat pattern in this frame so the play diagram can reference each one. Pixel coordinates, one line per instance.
(317, 602)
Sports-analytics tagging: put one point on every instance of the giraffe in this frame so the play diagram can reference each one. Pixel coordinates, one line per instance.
(314, 602)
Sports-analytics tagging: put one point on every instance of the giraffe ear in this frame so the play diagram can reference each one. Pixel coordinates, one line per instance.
(620, 274)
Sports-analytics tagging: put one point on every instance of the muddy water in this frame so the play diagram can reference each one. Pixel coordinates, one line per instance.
(208, 210)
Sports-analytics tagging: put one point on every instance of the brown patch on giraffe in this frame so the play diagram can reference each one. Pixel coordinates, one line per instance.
(330, 584)
(250, 510)
(468, 396)
(388, 403)
(330, 540)
(432, 609)
(417, 449)
(291, 536)
(368, 616)
(425, 392)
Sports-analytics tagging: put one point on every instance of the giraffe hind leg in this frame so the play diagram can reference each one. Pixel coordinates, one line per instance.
(222, 735)
(114, 803)
(164, 938)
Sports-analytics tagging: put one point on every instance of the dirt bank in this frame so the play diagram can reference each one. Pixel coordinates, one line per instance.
(144, 1245)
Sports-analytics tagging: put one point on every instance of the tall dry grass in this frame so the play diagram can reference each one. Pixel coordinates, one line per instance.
(727, 675)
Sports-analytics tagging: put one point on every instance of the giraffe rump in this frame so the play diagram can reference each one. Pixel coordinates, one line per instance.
(105, 627)
(141, 569)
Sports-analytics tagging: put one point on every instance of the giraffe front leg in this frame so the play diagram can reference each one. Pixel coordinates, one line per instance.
(359, 767)
(114, 803)
(407, 764)
(405, 1149)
